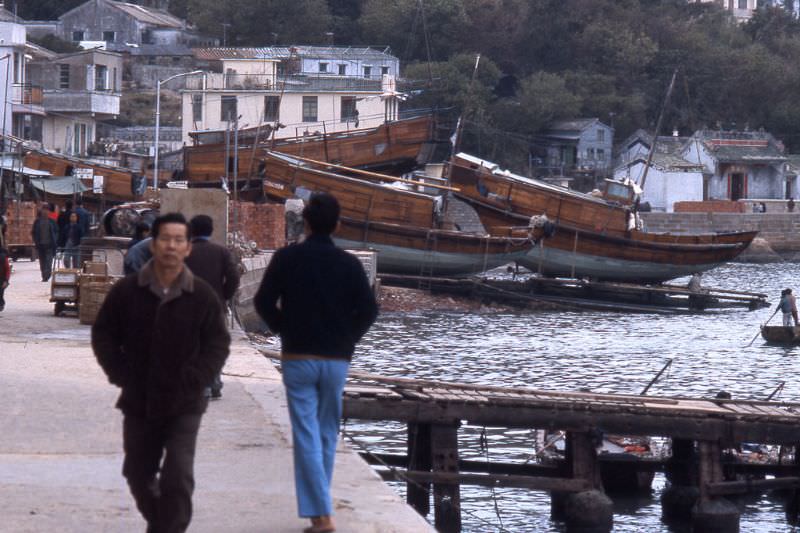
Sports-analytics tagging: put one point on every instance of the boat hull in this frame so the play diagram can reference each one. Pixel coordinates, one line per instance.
(785, 336)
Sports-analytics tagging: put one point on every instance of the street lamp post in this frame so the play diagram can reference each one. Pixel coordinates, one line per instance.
(158, 120)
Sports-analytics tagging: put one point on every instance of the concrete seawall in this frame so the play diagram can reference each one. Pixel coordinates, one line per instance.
(780, 230)
(61, 440)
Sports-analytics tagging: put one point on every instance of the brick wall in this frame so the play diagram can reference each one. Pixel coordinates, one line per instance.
(262, 223)
(709, 206)
(781, 230)
(20, 217)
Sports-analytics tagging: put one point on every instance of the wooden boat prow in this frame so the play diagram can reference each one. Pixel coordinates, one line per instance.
(783, 335)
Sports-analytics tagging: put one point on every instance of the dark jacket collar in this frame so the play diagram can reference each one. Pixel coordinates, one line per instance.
(319, 239)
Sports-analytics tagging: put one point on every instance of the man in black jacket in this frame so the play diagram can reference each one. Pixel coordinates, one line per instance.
(45, 238)
(326, 305)
(213, 264)
(160, 336)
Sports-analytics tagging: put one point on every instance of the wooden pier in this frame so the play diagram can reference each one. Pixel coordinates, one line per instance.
(585, 294)
(701, 431)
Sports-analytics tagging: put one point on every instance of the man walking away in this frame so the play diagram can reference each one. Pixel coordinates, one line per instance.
(326, 306)
(84, 217)
(160, 336)
(5, 270)
(788, 307)
(63, 223)
(45, 238)
(213, 264)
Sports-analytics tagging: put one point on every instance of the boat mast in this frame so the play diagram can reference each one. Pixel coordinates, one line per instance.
(655, 137)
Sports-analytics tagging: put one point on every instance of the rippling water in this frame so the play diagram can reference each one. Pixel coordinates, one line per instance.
(602, 351)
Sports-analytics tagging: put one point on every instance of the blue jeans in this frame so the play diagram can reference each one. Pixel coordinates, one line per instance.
(314, 391)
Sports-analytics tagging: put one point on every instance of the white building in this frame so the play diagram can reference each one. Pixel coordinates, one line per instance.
(12, 72)
(300, 90)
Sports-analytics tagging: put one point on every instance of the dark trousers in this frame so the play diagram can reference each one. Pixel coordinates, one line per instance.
(45, 261)
(163, 491)
(2, 293)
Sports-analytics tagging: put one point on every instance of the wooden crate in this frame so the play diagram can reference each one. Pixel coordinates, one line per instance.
(93, 291)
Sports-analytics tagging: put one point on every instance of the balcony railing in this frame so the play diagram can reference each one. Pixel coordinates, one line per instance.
(27, 94)
(294, 82)
(70, 101)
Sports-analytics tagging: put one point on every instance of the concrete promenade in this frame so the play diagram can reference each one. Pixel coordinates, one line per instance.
(61, 440)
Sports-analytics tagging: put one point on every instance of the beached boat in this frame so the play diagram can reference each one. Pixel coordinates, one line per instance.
(115, 184)
(783, 335)
(404, 143)
(585, 235)
(402, 225)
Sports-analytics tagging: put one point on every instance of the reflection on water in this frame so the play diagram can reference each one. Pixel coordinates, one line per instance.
(602, 351)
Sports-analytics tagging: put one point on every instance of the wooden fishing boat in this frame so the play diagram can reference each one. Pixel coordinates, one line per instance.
(406, 142)
(783, 335)
(586, 236)
(118, 183)
(403, 226)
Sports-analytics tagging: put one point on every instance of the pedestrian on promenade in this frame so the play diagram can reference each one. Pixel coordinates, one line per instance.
(63, 223)
(213, 264)
(45, 238)
(84, 217)
(5, 269)
(318, 298)
(160, 336)
(137, 256)
(73, 234)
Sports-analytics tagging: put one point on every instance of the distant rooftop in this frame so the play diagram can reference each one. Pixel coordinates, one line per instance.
(148, 15)
(285, 52)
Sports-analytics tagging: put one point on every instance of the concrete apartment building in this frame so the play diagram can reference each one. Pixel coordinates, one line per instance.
(300, 90)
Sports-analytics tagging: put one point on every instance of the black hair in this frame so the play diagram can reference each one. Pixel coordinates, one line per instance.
(79, 201)
(202, 226)
(170, 218)
(68, 204)
(322, 213)
(139, 231)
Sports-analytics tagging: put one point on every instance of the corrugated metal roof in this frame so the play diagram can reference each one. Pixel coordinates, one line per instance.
(343, 53)
(148, 15)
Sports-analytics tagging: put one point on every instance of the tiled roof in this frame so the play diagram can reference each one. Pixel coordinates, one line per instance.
(151, 49)
(746, 154)
(148, 15)
(667, 162)
(343, 53)
(578, 124)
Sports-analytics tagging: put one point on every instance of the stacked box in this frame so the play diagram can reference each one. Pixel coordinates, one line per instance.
(20, 218)
(93, 291)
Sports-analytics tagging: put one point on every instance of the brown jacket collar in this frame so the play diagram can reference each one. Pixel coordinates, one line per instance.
(184, 283)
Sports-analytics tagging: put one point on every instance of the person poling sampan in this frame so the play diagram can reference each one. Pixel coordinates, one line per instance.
(788, 307)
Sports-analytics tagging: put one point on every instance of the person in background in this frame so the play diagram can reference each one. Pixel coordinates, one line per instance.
(790, 205)
(84, 217)
(140, 233)
(53, 212)
(318, 298)
(214, 264)
(137, 255)
(5, 272)
(74, 234)
(45, 238)
(160, 336)
(788, 307)
(63, 223)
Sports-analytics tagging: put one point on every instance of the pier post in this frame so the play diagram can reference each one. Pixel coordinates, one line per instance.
(681, 494)
(446, 498)
(591, 510)
(418, 495)
(712, 514)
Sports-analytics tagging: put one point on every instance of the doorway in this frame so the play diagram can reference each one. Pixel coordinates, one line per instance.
(737, 185)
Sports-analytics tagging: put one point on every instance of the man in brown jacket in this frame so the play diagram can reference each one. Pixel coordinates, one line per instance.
(160, 336)
(213, 264)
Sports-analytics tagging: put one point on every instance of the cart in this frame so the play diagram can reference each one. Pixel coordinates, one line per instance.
(64, 284)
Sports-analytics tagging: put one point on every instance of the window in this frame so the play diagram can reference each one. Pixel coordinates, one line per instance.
(384, 70)
(100, 77)
(323, 67)
(271, 105)
(63, 76)
(342, 70)
(742, 4)
(197, 107)
(109, 36)
(367, 72)
(78, 35)
(601, 135)
(601, 154)
(349, 108)
(309, 109)
(228, 108)
(147, 37)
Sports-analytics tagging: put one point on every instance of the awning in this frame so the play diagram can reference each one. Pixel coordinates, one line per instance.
(65, 186)
(12, 163)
